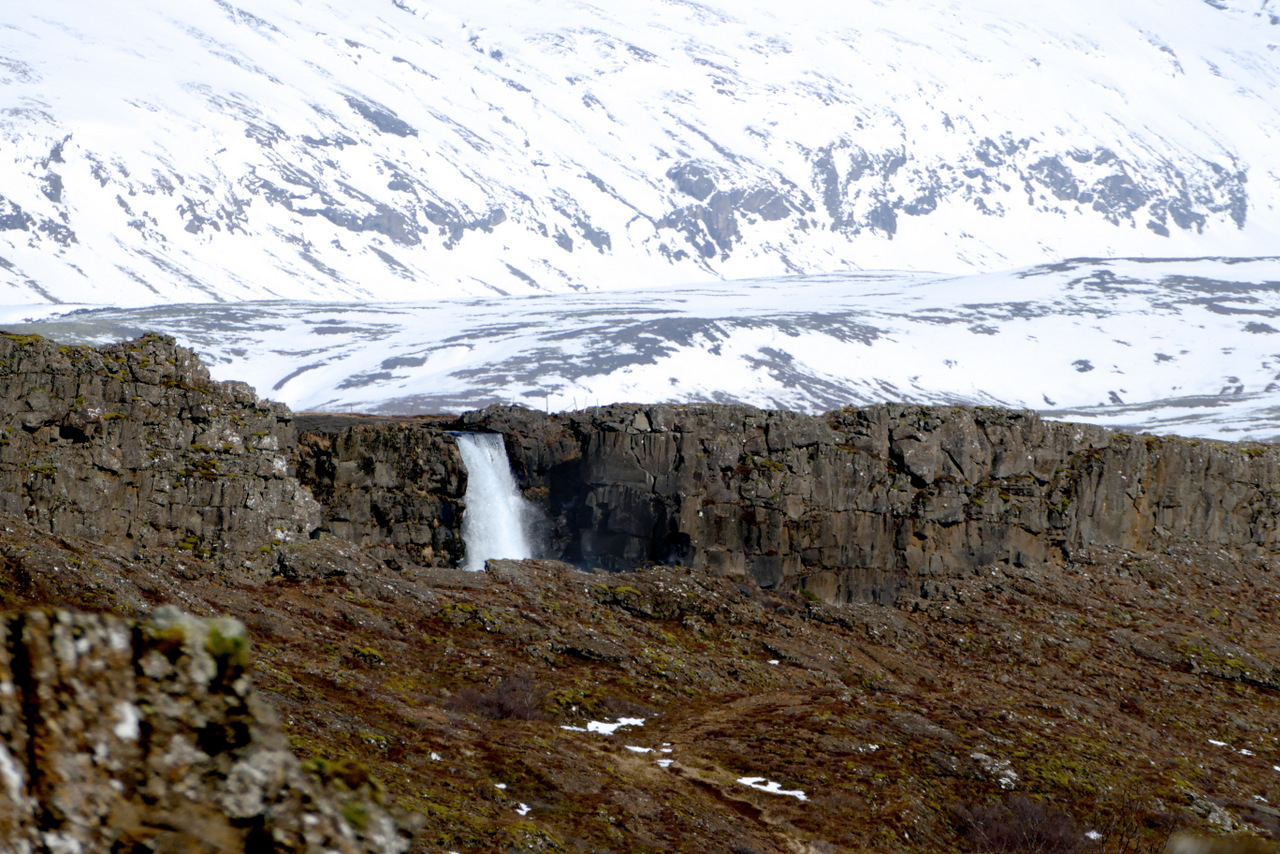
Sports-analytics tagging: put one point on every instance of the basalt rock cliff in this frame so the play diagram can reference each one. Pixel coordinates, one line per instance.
(134, 444)
(1074, 644)
(856, 505)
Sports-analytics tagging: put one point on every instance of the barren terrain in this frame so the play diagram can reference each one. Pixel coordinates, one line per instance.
(1126, 694)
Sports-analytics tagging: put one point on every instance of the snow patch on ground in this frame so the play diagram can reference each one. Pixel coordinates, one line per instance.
(998, 768)
(772, 788)
(605, 727)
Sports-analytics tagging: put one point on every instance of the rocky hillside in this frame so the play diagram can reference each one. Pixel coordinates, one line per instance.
(1124, 694)
(897, 629)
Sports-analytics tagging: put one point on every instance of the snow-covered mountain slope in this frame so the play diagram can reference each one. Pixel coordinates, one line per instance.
(417, 149)
(1189, 347)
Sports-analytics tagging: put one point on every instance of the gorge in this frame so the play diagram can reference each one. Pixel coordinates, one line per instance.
(912, 614)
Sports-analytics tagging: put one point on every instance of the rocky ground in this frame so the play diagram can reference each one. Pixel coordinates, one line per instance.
(1024, 684)
(1121, 696)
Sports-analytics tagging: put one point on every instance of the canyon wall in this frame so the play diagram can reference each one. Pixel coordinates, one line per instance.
(858, 504)
(133, 444)
(394, 488)
(855, 505)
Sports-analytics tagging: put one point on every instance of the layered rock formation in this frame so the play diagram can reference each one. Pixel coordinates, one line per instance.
(149, 737)
(133, 444)
(393, 488)
(856, 505)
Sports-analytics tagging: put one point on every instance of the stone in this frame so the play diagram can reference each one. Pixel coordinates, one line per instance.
(866, 501)
(148, 736)
(133, 444)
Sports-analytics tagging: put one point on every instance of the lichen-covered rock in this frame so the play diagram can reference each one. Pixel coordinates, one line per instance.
(393, 488)
(133, 444)
(149, 737)
(1186, 843)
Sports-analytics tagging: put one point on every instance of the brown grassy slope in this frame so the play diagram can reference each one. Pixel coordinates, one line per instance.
(1027, 707)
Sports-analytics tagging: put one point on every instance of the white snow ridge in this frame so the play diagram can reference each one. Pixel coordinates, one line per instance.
(410, 206)
(404, 149)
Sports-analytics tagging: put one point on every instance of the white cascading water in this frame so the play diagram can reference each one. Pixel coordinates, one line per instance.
(495, 522)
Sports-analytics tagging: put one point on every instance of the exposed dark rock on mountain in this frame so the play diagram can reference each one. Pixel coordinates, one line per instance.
(319, 153)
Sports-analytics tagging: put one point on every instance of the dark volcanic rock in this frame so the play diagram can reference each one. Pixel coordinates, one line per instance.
(389, 487)
(861, 504)
(858, 505)
(149, 737)
(132, 443)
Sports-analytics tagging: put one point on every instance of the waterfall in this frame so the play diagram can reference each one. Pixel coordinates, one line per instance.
(495, 523)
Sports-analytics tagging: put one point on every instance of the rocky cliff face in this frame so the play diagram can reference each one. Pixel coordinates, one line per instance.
(149, 737)
(857, 505)
(862, 503)
(133, 444)
(393, 488)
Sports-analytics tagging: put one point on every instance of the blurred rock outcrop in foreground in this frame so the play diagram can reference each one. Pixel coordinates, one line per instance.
(118, 736)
